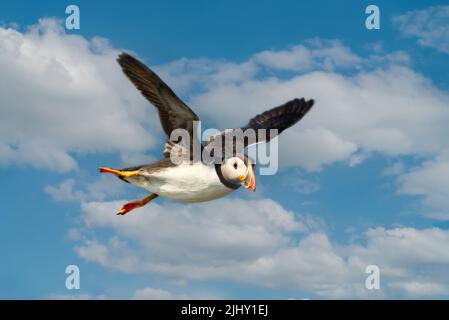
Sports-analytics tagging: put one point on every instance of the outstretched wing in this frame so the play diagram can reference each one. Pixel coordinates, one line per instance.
(279, 118)
(173, 113)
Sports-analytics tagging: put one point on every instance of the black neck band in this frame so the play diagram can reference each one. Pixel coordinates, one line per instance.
(227, 183)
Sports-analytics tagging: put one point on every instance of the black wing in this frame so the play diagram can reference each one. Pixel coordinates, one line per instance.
(173, 113)
(279, 118)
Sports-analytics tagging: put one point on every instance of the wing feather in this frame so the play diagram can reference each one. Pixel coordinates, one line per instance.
(173, 112)
(279, 118)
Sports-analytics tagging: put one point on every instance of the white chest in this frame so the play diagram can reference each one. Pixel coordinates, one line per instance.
(188, 183)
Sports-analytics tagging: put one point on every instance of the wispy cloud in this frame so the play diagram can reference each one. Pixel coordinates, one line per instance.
(82, 296)
(429, 26)
(65, 191)
(429, 181)
(158, 294)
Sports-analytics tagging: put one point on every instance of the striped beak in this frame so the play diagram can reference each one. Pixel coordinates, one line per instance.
(250, 180)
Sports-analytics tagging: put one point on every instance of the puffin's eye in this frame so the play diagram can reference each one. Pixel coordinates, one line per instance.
(235, 165)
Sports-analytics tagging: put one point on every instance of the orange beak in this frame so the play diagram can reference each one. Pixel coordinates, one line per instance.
(250, 181)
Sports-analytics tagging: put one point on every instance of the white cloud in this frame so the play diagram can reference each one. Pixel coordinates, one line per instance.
(104, 187)
(319, 147)
(256, 242)
(394, 111)
(63, 95)
(381, 105)
(82, 296)
(100, 189)
(158, 294)
(317, 55)
(430, 26)
(364, 105)
(239, 240)
(188, 75)
(420, 289)
(86, 104)
(216, 233)
(65, 191)
(430, 182)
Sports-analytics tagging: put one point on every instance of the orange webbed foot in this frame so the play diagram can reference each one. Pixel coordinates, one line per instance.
(136, 204)
(120, 173)
(129, 207)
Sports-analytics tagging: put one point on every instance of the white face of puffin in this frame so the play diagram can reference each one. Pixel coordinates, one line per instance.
(236, 171)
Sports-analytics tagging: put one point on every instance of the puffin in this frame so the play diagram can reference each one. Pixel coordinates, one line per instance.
(197, 180)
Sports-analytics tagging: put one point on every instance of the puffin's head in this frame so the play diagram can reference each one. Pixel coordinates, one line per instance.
(239, 170)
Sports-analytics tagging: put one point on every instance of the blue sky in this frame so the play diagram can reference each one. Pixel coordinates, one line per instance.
(365, 182)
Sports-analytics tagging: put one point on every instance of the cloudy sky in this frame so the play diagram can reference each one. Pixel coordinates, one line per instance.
(363, 180)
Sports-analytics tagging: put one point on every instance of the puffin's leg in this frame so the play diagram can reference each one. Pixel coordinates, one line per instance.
(136, 204)
(120, 173)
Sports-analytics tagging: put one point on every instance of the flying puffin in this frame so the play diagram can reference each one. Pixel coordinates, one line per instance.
(195, 181)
